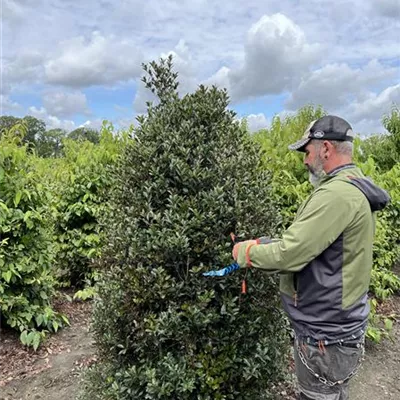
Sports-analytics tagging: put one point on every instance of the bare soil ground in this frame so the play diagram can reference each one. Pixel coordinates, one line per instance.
(378, 378)
(53, 373)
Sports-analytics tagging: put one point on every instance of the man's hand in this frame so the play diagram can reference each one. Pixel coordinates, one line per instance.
(235, 251)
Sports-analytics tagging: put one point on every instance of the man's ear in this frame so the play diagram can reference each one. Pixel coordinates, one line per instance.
(327, 149)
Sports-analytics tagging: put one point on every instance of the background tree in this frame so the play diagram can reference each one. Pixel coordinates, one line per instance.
(34, 128)
(49, 143)
(7, 122)
(391, 122)
(84, 133)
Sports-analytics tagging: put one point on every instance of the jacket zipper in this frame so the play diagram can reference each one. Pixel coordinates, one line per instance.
(295, 289)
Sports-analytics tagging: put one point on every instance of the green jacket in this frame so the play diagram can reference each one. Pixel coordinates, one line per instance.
(325, 256)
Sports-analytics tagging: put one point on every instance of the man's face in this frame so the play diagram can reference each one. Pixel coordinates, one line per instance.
(314, 163)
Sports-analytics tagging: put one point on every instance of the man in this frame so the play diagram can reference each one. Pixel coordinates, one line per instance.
(325, 261)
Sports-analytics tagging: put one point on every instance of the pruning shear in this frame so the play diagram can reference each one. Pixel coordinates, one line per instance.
(224, 271)
(228, 269)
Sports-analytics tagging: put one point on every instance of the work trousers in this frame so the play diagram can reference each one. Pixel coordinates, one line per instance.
(324, 372)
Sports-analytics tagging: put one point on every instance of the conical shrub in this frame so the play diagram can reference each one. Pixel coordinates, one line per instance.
(189, 177)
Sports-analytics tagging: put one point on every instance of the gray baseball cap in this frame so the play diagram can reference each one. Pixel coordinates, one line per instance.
(329, 127)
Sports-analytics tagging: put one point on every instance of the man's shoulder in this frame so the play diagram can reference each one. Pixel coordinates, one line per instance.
(341, 187)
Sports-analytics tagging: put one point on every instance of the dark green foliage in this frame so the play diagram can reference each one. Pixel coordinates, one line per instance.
(189, 178)
(83, 133)
(7, 122)
(26, 251)
(161, 79)
(49, 144)
(36, 128)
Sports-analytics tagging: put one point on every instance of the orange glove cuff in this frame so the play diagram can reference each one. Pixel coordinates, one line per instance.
(248, 261)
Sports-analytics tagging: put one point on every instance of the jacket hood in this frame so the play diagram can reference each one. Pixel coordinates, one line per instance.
(377, 197)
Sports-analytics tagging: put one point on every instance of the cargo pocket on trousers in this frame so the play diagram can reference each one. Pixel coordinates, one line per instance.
(344, 361)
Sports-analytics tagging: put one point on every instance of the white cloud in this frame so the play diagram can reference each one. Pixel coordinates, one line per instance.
(252, 48)
(95, 124)
(7, 105)
(5, 88)
(255, 122)
(182, 64)
(62, 104)
(335, 84)
(366, 110)
(51, 121)
(276, 55)
(143, 96)
(11, 10)
(375, 105)
(220, 79)
(386, 8)
(27, 66)
(125, 123)
(101, 60)
(39, 113)
(367, 127)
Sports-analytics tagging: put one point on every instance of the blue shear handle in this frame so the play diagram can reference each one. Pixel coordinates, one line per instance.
(224, 271)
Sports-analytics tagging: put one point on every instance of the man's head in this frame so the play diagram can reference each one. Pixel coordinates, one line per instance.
(327, 144)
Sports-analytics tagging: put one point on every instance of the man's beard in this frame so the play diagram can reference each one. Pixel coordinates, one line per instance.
(316, 172)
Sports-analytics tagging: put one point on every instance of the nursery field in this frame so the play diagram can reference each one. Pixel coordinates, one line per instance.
(105, 236)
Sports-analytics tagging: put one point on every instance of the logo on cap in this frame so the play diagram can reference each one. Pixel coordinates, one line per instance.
(319, 134)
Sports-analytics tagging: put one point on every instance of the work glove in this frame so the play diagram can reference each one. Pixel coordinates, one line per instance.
(237, 246)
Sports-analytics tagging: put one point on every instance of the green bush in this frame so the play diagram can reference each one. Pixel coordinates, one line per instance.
(384, 149)
(81, 187)
(189, 178)
(290, 185)
(386, 250)
(379, 148)
(26, 252)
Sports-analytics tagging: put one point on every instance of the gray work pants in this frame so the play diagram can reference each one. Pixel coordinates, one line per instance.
(324, 372)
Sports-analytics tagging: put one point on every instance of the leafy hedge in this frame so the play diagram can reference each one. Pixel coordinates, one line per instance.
(384, 168)
(81, 186)
(386, 250)
(189, 178)
(290, 185)
(26, 251)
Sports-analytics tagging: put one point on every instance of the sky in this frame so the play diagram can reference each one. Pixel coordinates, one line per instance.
(75, 63)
